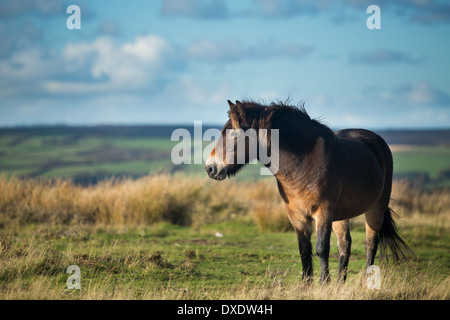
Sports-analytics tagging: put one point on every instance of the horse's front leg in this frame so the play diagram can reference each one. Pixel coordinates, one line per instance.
(324, 223)
(303, 229)
(305, 248)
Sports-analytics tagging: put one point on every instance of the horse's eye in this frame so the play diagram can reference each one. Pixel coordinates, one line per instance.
(234, 134)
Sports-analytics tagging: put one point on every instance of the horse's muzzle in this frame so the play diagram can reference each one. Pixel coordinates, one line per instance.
(214, 172)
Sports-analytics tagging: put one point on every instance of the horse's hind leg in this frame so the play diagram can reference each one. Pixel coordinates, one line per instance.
(374, 221)
(344, 242)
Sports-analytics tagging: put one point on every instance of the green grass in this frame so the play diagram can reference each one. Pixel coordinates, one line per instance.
(143, 143)
(168, 261)
(431, 160)
(48, 156)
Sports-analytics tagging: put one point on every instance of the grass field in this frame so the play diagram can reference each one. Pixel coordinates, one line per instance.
(171, 262)
(174, 234)
(165, 237)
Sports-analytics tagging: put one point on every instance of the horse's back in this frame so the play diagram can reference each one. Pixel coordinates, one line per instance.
(374, 142)
(360, 135)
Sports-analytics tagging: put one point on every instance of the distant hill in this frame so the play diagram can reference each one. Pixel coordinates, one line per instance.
(139, 131)
(88, 154)
(416, 137)
(406, 137)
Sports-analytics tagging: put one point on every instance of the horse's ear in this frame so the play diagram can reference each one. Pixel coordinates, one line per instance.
(234, 120)
(237, 114)
(242, 113)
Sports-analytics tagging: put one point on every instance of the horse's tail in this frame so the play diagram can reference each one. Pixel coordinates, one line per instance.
(390, 237)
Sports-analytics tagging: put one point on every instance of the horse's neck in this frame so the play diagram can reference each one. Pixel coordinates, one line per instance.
(297, 135)
(302, 150)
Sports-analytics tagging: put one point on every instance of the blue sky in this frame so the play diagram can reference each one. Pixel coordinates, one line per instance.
(177, 61)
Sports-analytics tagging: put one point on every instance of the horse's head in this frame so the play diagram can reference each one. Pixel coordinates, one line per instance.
(236, 146)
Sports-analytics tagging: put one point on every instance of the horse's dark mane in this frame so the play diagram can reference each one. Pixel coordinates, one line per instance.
(283, 107)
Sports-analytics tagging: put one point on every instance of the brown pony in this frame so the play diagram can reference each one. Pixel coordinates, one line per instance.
(323, 176)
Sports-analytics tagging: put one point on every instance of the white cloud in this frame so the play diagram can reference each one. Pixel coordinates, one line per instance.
(99, 66)
(106, 66)
(146, 64)
(133, 65)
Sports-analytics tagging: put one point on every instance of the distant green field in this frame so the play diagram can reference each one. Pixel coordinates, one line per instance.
(69, 155)
(64, 156)
(50, 157)
(432, 160)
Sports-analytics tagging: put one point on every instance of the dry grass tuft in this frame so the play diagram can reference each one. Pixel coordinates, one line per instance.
(394, 285)
(174, 199)
(409, 200)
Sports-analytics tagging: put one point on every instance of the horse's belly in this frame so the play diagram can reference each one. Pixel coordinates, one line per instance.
(347, 214)
(357, 198)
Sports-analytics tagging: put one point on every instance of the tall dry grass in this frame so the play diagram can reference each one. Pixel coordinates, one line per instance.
(409, 200)
(175, 199)
(115, 202)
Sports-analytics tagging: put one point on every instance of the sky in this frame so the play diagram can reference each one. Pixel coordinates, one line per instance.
(179, 61)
